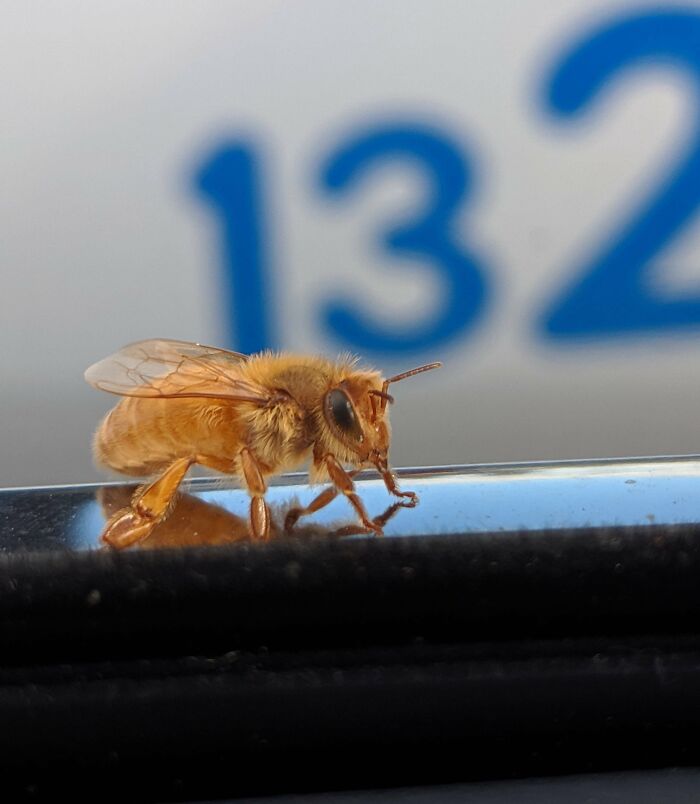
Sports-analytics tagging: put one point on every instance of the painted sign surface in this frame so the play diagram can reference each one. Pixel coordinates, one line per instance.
(510, 188)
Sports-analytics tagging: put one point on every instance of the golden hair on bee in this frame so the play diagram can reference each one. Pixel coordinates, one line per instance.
(249, 416)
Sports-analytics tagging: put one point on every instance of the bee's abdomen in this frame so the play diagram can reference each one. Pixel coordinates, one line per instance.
(142, 436)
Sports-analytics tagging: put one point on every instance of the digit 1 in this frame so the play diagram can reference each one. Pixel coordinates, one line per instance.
(230, 181)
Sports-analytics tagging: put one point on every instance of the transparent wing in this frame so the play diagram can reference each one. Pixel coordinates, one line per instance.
(168, 368)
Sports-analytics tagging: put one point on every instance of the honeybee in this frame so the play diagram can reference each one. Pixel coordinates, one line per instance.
(249, 416)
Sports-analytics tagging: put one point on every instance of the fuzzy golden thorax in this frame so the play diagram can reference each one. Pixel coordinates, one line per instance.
(301, 423)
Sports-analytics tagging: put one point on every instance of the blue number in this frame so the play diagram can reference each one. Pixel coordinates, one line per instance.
(611, 295)
(230, 181)
(429, 235)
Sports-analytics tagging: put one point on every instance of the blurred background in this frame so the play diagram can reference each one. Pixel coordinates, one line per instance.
(511, 188)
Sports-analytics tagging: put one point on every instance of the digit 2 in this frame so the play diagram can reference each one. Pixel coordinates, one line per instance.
(610, 296)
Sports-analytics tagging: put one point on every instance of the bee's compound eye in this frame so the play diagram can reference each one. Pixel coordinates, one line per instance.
(342, 414)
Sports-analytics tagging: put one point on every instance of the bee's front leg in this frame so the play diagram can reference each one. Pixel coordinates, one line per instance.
(392, 488)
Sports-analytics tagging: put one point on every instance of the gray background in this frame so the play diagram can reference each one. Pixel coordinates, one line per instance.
(108, 108)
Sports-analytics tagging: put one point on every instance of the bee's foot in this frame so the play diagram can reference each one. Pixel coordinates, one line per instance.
(125, 528)
(291, 519)
(411, 501)
(359, 530)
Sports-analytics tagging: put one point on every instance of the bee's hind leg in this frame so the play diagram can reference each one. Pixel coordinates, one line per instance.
(150, 505)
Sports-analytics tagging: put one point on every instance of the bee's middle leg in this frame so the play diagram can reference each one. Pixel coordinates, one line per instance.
(149, 506)
(255, 483)
(381, 520)
(320, 501)
(342, 480)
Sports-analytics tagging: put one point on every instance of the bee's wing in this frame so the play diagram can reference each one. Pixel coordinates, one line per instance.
(167, 368)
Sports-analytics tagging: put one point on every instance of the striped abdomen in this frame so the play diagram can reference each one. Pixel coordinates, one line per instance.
(142, 436)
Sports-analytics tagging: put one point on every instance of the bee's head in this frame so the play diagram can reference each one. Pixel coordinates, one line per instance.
(356, 413)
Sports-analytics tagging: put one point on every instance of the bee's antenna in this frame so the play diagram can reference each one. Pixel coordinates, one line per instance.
(385, 396)
(410, 373)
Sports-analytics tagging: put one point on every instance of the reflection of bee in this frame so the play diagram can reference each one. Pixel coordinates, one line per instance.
(247, 416)
(193, 522)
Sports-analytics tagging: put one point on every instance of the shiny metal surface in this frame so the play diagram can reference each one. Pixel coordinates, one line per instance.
(453, 500)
